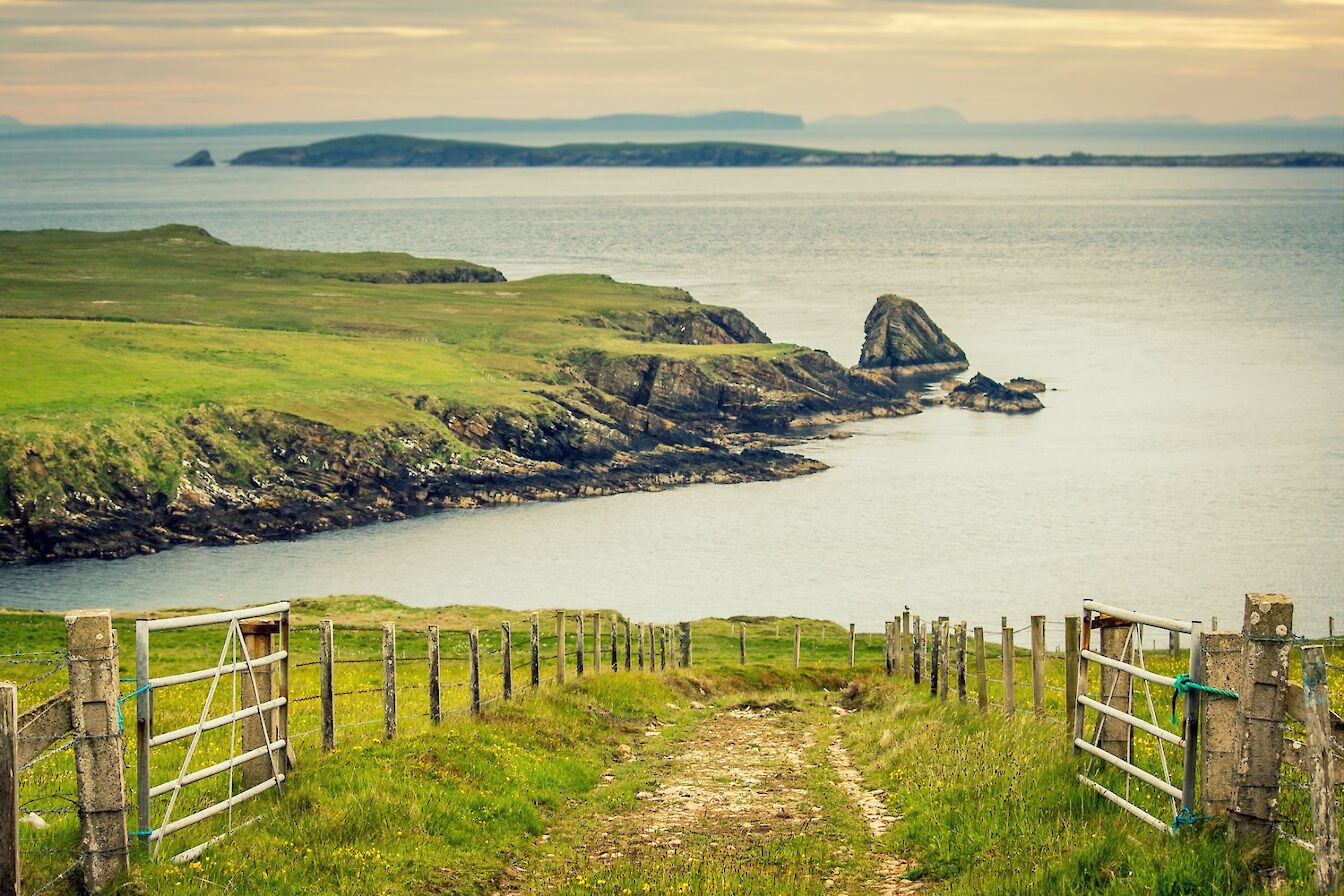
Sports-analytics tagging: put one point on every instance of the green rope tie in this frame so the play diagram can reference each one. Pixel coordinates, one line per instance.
(1184, 684)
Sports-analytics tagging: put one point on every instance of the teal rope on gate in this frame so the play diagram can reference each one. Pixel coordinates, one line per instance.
(1184, 684)
(1186, 817)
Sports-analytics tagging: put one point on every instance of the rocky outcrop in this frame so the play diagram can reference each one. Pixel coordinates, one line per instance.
(900, 337)
(981, 393)
(463, 273)
(614, 423)
(200, 159)
(1022, 384)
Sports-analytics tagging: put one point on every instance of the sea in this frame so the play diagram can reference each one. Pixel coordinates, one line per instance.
(1189, 324)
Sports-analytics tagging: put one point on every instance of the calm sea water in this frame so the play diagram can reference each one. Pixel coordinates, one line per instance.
(1190, 322)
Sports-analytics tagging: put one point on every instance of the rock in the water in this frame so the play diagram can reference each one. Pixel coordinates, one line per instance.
(839, 434)
(201, 159)
(981, 393)
(899, 335)
(1022, 384)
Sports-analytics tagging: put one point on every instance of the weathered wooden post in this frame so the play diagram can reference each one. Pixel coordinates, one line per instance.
(741, 643)
(981, 674)
(1009, 672)
(615, 662)
(536, 651)
(10, 872)
(1222, 652)
(641, 646)
(1173, 643)
(257, 687)
(580, 645)
(435, 686)
(1072, 645)
(1331, 627)
(687, 656)
(1038, 664)
(506, 658)
(326, 681)
(1320, 774)
(474, 670)
(797, 645)
(662, 648)
(1261, 704)
(888, 648)
(626, 624)
(945, 658)
(916, 648)
(851, 645)
(597, 643)
(904, 644)
(961, 662)
(935, 659)
(559, 646)
(1117, 737)
(389, 680)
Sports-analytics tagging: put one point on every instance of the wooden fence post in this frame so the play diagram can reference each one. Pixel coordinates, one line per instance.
(580, 644)
(1173, 643)
(686, 655)
(662, 648)
(10, 879)
(559, 646)
(981, 674)
(741, 643)
(615, 662)
(904, 643)
(1117, 689)
(1072, 644)
(1222, 653)
(641, 646)
(1262, 702)
(625, 623)
(536, 651)
(961, 662)
(474, 670)
(326, 681)
(389, 680)
(256, 732)
(797, 645)
(1038, 664)
(945, 657)
(1320, 774)
(506, 658)
(1009, 672)
(916, 648)
(435, 686)
(597, 643)
(935, 657)
(888, 648)
(851, 645)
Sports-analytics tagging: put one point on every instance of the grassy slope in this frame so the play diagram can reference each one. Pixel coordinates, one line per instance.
(112, 338)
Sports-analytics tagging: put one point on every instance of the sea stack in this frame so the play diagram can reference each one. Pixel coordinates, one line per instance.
(899, 337)
(981, 393)
(200, 159)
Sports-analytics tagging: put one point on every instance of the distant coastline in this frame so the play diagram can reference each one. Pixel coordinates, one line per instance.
(393, 151)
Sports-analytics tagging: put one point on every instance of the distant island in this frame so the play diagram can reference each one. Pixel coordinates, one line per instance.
(391, 151)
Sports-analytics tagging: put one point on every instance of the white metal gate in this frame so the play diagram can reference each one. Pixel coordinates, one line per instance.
(1181, 792)
(239, 668)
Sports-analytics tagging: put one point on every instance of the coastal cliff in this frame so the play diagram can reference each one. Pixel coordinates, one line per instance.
(295, 392)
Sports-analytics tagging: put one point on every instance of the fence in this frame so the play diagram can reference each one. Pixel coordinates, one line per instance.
(314, 688)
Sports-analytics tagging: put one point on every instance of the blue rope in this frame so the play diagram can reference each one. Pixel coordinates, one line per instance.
(1186, 817)
(1184, 684)
(121, 723)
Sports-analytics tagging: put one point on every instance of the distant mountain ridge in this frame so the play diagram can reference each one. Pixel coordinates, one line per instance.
(436, 124)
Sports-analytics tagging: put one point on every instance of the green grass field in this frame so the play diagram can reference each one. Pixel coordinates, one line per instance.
(111, 341)
(986, 804)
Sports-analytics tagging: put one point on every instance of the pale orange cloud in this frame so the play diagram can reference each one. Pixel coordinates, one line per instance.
(214, 60)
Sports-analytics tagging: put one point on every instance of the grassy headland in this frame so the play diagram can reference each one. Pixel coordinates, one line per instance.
(163, 386)
(393, 151)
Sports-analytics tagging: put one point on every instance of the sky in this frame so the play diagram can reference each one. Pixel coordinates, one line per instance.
(215, 61)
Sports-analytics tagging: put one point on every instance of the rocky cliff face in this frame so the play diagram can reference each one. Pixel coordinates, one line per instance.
(900, 337)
